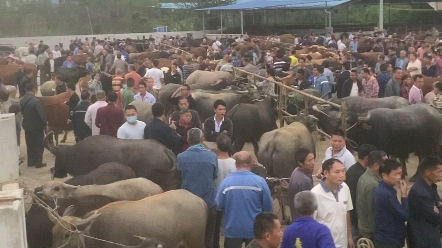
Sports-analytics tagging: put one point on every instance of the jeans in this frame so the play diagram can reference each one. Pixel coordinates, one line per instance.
(235, 243)
(210, 227)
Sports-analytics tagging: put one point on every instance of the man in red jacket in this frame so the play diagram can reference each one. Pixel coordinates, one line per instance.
(110, 117)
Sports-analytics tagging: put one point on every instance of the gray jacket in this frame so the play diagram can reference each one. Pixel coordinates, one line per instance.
(393, 88)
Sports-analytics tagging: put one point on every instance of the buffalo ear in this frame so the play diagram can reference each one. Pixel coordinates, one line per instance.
(82, 224)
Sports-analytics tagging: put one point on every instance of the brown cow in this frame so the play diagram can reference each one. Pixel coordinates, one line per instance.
(428, 84)
(164, 63)
(198, 51)
(287, 38)
(57, 114)
(7, 73)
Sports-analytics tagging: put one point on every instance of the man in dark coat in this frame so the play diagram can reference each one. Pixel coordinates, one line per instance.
(217, 124)
(342, 77)
(425, 207)
(160, 131)
(20, 73)
(25, 80)
(34, 124)
(81, 129)
(110, 117)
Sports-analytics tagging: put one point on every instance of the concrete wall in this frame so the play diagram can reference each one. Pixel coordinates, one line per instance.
(55, 40)
(8, 149)
(12, 206)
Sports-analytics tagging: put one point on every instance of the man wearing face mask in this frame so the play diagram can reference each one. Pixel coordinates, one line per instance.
(132, 128)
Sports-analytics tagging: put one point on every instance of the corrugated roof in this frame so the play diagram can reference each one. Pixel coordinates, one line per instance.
(177, 5)
(293, 4)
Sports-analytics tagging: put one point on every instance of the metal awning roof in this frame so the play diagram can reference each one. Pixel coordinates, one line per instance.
(282, 4)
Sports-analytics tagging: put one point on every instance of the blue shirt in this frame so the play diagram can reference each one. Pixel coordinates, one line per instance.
(199, 169)
(242, 195)
(322, 85)
(402, 63)
(354, 46)
(308, 233)
(383, 79)
(389, 215)
(329, 75)
(72, 65)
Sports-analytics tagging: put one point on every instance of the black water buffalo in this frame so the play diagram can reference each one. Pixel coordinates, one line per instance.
(39, 226)
(251, 121)
(148, 158)
(399, 132)
(277, 148)
(70, 74)
(330, 118)
(205, 100)
(104, 174)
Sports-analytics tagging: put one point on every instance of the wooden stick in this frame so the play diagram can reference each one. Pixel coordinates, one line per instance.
(290, 88)
(176, 48)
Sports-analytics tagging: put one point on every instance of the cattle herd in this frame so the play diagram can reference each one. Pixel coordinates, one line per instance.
(125, 191)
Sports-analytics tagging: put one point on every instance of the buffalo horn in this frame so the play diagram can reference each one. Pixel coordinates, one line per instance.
(83, 223)
(315, 108)
(69, 211)
(68, 186)
(49, 142)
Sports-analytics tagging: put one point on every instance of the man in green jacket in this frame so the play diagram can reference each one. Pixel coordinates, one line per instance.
(365, 192)
(127, 95)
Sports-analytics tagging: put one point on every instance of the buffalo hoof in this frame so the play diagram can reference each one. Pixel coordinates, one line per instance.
(63, 141)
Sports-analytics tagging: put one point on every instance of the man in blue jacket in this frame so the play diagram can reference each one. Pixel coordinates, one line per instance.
(242, 195)
(199, 169)
(425, 216)
(321, 82)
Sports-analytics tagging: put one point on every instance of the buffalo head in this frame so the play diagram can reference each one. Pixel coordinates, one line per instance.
(65, 232)
(309, 121)
(329, 118)
(57, 189)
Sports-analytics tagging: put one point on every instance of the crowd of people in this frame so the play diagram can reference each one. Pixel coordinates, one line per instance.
(354, 199)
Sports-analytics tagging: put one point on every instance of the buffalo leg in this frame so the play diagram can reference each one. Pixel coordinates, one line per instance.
(404, 167)
(238, 145)
(64, 137)
(255, 147)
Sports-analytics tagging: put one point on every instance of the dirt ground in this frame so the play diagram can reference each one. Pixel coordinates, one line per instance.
(35, 177)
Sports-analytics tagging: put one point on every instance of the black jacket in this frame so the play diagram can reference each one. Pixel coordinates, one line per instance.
(81, 129)
(22, 85)
(173, 79)
(305, 84)
(34, 117)
(60, 88)
(18, 76)
(161, 132)
(47, 67)
(209, 129)
(73, 102)
(196, 122)
(192, 102)
(342, 77)
(346, 88)
(424, 224)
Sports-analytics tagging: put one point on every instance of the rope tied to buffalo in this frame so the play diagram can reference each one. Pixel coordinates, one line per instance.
(61, 221)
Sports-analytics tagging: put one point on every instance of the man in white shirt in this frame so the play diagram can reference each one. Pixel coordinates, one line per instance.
(132, 128)
(341, 46)
(240, 39)
(338, 151)
(143, 95)
(415, 95)
(91, 113)
(414, 66)
(99, 48)
(216, 46)
(334, 203)
(156, 74)
(31, 58)
(56, 52)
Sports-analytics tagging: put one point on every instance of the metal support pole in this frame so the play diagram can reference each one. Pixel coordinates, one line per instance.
(242, 21)
(204, 23)
(381, 15)
(89, 17)
(221, 13)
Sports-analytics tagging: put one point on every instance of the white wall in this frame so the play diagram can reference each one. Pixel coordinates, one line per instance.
(55, 40)
(12, 206)
(8, 149)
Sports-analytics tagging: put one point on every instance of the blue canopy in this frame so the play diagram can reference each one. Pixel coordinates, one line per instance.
(282, 4)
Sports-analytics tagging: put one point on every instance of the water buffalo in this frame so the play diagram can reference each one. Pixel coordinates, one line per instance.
(130, 189)
(251, 121)
(206, 99)
(416, 128)
(175, 217)
(277, 148)
(38, 225)
(329, 118)
(209, 80)
(144, 110)
(148, 158)
(165, 96)
(70, 75)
